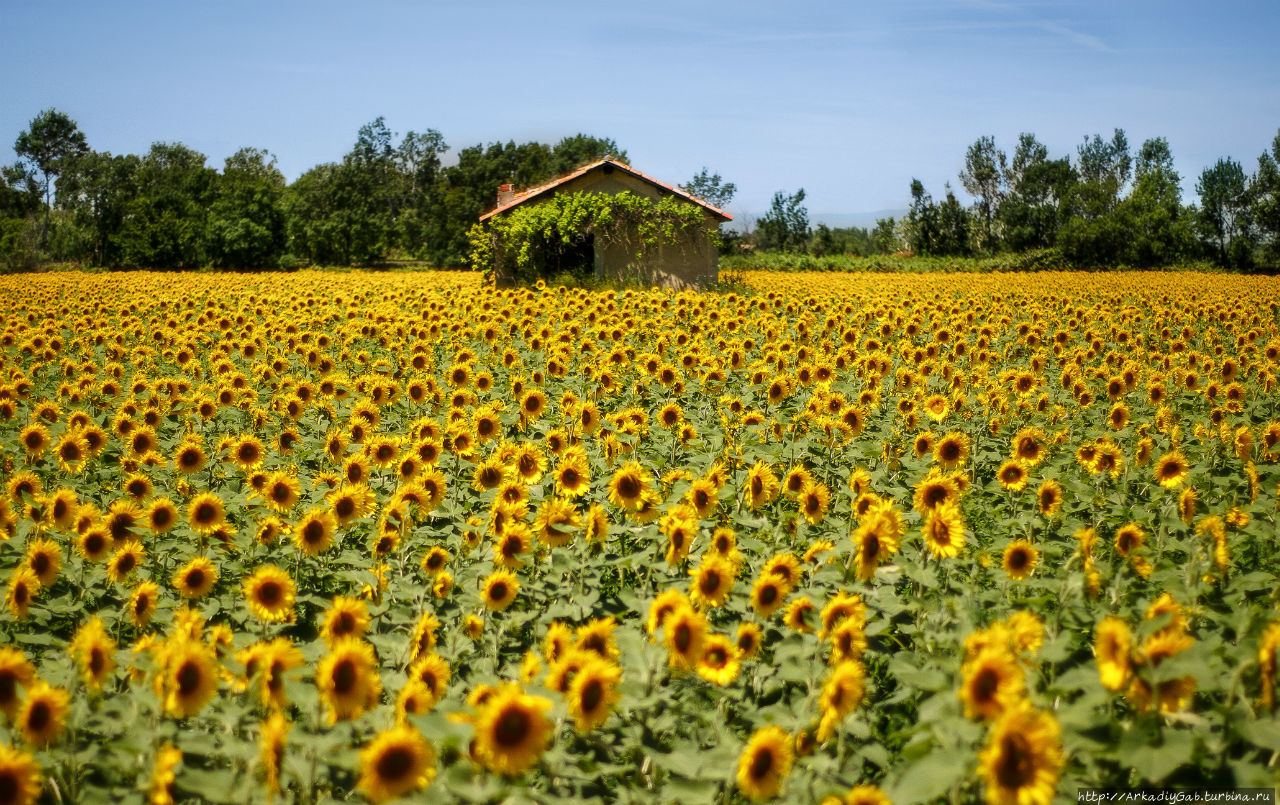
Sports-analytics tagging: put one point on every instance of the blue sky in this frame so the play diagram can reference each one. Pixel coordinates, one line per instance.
(849, 100)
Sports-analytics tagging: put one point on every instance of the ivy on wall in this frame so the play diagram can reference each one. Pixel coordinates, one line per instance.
(508, 244)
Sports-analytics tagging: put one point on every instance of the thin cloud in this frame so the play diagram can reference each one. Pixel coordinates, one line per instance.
(1087, 41)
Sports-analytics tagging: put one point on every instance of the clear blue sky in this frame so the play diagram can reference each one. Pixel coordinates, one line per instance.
(849, 100)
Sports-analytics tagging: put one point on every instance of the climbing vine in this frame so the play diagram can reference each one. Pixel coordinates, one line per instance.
(507, 244)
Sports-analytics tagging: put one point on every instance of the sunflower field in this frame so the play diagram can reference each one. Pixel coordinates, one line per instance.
(838, 538)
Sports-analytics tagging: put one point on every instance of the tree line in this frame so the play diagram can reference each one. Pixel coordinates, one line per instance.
(389, 197)
(1107, 206)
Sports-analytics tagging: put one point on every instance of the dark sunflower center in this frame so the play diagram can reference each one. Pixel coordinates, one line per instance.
(768, 594)
(97, 660)
(1019, 559)
(195, 578)
(710, 582)
(205, 513)
(683, 637)
(761, 764)
(313, 533)
(985, 684)
(498, 592)
(188, 676)
(592, 695)
(269, 594)
(628, 487)
(950, 451)
(344, 677)
(8, 687)
(395, 763)
(512, 728)
(39, 717)
(1015, 767)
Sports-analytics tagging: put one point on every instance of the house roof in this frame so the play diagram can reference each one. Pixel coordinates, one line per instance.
(531, 193)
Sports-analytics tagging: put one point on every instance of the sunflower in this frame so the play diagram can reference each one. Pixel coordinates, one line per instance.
(765, 763)
(1169, 695)
(596, 524)
(666, 603)
(703, 496)
(94, 651)
(848, 640)
(1023, 758)
(424, 635)
(163, 775)
(876, 538)
(951, 450)
(1013, 475)
(841, 693)
(206, 512)
(512, 730)
(433, 674)
(274, 732)
(161, 515)
(719, 662)
(866, 795)
(436, 561)
(43, 715)
(281, 491)
(1020, 559)
(499, 590)
(597, 637)
(813, 501)
(515, 540)
(35, 440)
(556, 522)
(348, 503)
(24, 585)
(944, 531)
(15, 671)
(1129, 539)
(398, 761)
(712, 580)
(748, 640)
(573, 474)
(62, 505)
(248, 452)
(348, 679)
(190, 677)
(685, 633)
(315, 531)
(488, 474)
(268, 663)
(768, 594)
(761, 485)
(270, 592)
(593, 693)
(1049, 497)
(196, 578)
(1171, 470)
(19, 776)
(992, 682)
(127, 558)
(629, 486)
(45, 559)
(71, 450)
(1112, 647)
(141, 604)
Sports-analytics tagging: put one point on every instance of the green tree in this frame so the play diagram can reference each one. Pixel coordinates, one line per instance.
(953, 227)
(95, 191)
(1265, 202)
(164, 223)
(711, 188)
(1031, 211)
(50, 140)
(1224, 211)
(886, 236)
(983, 178)
(1097, 231)
(246, 226)
(574, 152)
(922, 227)
(785, 227)
(1161, 232)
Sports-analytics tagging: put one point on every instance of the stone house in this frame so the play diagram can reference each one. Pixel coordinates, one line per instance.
(691, 262)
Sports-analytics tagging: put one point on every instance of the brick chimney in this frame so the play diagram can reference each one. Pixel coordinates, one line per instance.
(506, 193)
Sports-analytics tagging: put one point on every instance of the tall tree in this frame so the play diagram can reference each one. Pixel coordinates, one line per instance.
(786, 226)
(983, 178)
(1102, 161)
(246, 226)
(1224, 210)
(164, 223)
(95, 191)
(1266, 201)
(1161, 232)
(710, 188)
(953, 227)
(921, 223)
(1031, 212)
(50, 140)
(576, 151)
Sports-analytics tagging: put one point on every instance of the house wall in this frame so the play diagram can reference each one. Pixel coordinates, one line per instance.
(692, 262)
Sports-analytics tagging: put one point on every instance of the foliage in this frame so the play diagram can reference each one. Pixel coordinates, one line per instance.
(711, 188)
(525, 244)
(524, 535)
(785, 227)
